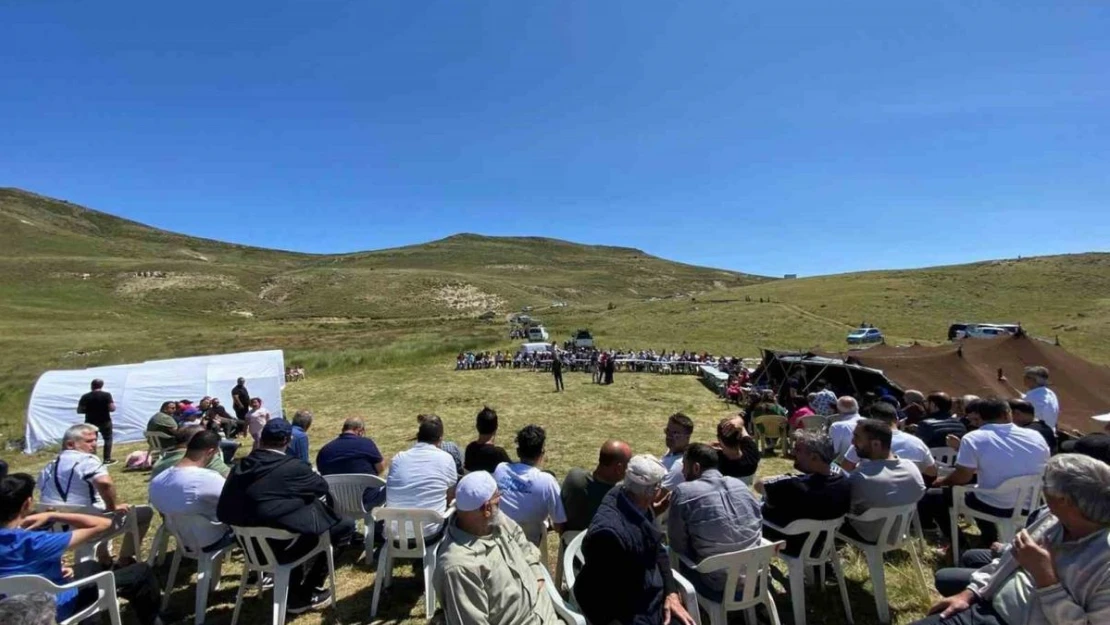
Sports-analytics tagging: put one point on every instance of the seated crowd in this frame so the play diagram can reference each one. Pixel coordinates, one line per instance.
(587, 359)
(698, 500)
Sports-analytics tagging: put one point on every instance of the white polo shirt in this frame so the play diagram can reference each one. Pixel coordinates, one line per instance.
(1045, 405)
(905, 446)
(69, 479)
(841, 432)
(419, 478)
(998, 452)
(529, 496)
(190, 490)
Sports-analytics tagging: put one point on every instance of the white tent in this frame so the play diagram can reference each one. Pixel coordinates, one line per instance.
(140, 389)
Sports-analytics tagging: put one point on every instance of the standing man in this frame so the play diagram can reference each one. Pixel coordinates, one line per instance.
(557, 371)
(97, 406)
(240, 399)
(1046, 407)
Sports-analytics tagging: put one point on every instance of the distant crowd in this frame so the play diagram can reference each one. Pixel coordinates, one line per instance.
(586, 359)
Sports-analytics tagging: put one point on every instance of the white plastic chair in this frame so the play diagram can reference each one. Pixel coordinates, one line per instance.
(746, 571)
(892, 536)
(944, 456)
(573, 561)
(564, 539)
(569, 616)
(798, 566)
(1025, 489)
(106, 600)
(87, 551)
(157, 444)
(814, 423)
(404, 540)
(259, 557)
(186, 529)
(346, 492)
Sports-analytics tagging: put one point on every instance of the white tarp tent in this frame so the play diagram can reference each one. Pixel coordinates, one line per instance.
(140, 389)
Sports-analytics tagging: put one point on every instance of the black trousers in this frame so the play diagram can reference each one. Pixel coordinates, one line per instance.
(955, 580)
(105, 430)
(934, 507)
(309, 576)
(979, 614)
(137, 583)
(559, 381)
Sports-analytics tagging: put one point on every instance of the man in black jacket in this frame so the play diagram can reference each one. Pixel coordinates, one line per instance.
(270, 489)
(627, 574)
(557, 371)
(940, 423)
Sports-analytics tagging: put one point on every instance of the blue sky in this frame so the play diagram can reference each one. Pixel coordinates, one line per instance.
(809, 137)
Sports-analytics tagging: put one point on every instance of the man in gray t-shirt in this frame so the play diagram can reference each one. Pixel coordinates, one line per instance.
(882, 480)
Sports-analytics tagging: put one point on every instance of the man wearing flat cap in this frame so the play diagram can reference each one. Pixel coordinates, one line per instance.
(627, 574)
(487, 571)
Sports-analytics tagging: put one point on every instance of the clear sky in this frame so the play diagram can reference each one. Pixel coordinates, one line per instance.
(808, 137)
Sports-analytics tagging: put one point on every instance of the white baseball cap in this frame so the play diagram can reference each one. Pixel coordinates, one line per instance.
(474, 490)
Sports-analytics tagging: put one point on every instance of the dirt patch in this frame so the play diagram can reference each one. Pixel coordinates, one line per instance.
(467, 297)
(135, 284)
(512, 267)
(196, 255)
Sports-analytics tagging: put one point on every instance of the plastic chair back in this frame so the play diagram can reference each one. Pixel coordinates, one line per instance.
(748, 568)
(895, 524)
(347, 490)
(814, 423)
(255, 543)
(190, 532)
(815, 531)
(105, 583)
(944, 456)
(572, 562)
(404, 529)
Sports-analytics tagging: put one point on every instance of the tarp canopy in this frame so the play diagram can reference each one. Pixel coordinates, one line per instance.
(842, 375)
(139, 390)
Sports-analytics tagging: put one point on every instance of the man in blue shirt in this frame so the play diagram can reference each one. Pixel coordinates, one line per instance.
(28, 548)
(298, 444)
(353, 452)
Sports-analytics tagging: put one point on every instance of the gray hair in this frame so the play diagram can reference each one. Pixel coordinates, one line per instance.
(353, 423)
(969, 398)
(1083, 480)
(914, 397)
(302, 419)
(76, 433)
(37, 608)
(847, 404)
(643, 475)
(1039, 374)
(817, 443)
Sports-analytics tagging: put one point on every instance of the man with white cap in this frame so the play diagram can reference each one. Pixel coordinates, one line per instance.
(627, 575)
(487, 571)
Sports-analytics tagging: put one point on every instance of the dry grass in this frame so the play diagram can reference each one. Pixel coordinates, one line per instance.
(635, 408)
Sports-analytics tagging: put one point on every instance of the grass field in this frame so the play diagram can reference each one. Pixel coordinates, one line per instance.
(635, 409)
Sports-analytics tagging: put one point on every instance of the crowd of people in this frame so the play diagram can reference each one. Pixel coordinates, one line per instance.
(699, 498)
(586, 359)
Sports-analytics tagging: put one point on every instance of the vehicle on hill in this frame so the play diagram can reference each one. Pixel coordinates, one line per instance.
(533, 348)
(862, 336)
(538, 333)
(958, 331)
(583, 338)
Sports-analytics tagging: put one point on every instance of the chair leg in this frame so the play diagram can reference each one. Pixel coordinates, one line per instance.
(239, 595)
(749, 618)
(204, 580)
(955, 525)
(429, 587)
(772, 609)
(878, 582)
(379, 580)
(156, 545)
(217, 572)
(917, 565)
(331, 575)
(113, 612)
(843, 586)
(368, 542)
(281, 594)
(796, 573)
(173, 578)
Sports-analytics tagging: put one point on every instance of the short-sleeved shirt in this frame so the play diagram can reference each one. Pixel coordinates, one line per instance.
(529, 496)
(998, 452)
(190, 490)
(841, 433)
(69, 479)
(1046, 407)
(25, 552)
(582, 494)
(905, 446)
(349, 453)
(484, 457)
(883, 484)
(419, 477)
(256, 420)
(97, 407)
(244, 396)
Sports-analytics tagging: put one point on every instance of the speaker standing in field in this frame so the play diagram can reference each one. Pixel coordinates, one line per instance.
(557, 371)
(97, 405)
(240, 399)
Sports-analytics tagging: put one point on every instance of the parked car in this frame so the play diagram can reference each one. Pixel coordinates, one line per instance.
(958, 331)
(583, 338)
(986, 332)
(538, 334)
(862, 336)
(533, 348)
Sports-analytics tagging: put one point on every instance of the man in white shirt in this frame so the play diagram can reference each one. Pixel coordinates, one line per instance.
(530, 496)
(1046, 407)
(996, 452)
(678, 432)
(77, 477)
(844, 427)
(190, 488)
(423, 476)
(904, 446)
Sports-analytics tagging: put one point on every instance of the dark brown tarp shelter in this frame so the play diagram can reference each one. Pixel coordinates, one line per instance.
(967, 367)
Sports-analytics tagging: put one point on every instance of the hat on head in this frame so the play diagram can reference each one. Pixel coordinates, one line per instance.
(276, 430)
(645, 470)
(474, 490)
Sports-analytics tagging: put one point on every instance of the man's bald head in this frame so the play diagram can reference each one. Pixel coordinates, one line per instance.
(612, 461)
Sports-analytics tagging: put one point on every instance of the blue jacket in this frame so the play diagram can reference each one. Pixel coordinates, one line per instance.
(298, 445)
(627, 573)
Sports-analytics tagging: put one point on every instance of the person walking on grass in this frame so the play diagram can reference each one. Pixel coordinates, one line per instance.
(97, 405)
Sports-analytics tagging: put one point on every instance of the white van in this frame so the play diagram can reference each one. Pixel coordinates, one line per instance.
(537, 333)
(533, 348)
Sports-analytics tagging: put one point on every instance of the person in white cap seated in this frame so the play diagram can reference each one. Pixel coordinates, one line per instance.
(487, 571)
(627, 574)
